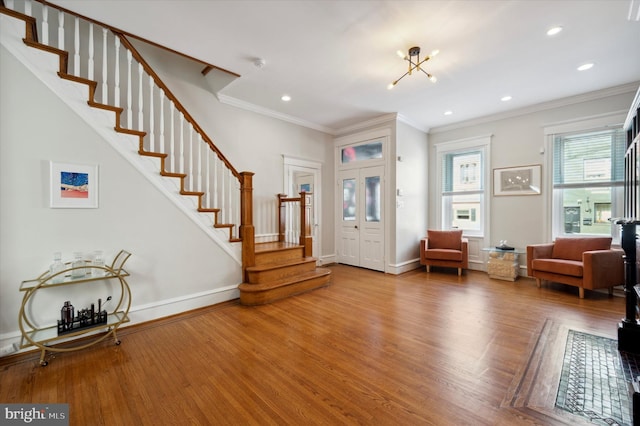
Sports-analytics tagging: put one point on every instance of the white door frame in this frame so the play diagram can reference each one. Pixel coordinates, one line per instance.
(293, 165)
(383, 134)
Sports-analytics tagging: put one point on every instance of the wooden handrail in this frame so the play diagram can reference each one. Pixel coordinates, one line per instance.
(127, 44)
(207, 66)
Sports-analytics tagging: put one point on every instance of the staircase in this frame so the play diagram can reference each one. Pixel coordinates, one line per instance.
(281, 270)
(119, 81)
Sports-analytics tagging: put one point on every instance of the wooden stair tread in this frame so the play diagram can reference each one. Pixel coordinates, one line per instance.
(274, 247)
(319, 272)
(281, 264)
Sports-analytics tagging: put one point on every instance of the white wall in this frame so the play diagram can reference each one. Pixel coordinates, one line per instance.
(251, 141)
(411, 207)
(516, 141)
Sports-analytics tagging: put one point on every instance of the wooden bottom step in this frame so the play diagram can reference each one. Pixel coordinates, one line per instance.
(260, 294)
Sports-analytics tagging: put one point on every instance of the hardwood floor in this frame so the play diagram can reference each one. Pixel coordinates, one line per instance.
(370, 348)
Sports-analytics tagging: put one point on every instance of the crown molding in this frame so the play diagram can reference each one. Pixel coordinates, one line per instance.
(557, 103)
(404, 119)
(228, 100)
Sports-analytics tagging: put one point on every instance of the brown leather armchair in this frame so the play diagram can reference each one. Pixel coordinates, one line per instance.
(445, 248)
(583, 262)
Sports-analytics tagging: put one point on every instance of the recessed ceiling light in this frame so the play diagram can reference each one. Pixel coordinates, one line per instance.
(585, 67)
(286, 98)
(448, 112)
(553, 31)
(505, 98)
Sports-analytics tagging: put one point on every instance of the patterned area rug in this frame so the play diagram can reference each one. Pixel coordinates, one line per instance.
(596, 378)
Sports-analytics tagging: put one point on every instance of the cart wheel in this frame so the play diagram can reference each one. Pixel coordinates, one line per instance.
(44, 363)
(118, 342)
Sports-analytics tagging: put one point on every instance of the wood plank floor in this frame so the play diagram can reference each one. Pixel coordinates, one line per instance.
(374, 349)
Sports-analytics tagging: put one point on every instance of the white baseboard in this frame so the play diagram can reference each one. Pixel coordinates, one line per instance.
(400, 268)
(10, 342)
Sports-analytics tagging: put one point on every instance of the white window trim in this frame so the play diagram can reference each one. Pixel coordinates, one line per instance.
(585, 124)
(482, 143)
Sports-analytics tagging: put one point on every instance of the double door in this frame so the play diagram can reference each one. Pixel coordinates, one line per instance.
(361, 218)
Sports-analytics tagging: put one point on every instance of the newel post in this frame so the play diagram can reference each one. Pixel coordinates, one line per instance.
(305, 227)
(247, 230)
(282, 217)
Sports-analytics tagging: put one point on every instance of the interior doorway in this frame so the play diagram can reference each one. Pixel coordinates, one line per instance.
(306, 175)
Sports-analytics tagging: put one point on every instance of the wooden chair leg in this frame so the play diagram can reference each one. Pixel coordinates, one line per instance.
(610, 291)
(428, 268)
(581, 291)
(538, 282)
(459, 272)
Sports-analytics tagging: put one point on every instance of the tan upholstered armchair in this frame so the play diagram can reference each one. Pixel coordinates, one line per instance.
(583, 262)
(445, 248)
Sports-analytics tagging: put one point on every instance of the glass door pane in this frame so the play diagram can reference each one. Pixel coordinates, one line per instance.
(349, 200)
(372, 198)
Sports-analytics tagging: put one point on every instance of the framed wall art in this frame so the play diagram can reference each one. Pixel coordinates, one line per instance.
(73, 186)
(523, 180)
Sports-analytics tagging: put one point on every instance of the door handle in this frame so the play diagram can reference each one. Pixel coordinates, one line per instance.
(356, 226)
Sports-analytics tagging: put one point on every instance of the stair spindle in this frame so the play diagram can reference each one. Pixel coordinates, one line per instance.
(181, 147)
(190, 173)
(152, 140)
(199, 162)
(140, 99)
(90, 61)
(27, 7)
(45, 25)
(61, 30)
(161, 142)
(76, 47)
(172, 141)
(208, 179)
(116, 74)
(129, 91)
(105, 88)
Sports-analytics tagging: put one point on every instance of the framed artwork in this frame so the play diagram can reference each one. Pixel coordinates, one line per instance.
(523, 180)
(73, 186)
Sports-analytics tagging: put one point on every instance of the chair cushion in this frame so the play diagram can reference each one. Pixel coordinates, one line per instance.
(559, 266)
(571, 248)
(451, 240)
(443, 254)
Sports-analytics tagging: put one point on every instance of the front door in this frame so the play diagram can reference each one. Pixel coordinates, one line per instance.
(361, 219)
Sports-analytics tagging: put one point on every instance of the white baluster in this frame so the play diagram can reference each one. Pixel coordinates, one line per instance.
(181, 153)
(9, 4)
(140, 99)
(129, 91)
(152, 137)
(105, 87)
(172, 129)
(200, 143)
(216, 160)
(27, 7)
(207, 178)
(76, 47)
(61, 30)
(91, 62)
(116, 75)
(190, 172)
(230, 195)
(45, 24)
(223, 207)
(161, 142)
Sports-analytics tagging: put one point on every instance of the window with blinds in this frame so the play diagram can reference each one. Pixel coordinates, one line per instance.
(588, 179)
(463, 190)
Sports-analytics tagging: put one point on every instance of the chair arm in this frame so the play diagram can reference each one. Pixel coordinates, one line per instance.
(537, 251)
(603, 268)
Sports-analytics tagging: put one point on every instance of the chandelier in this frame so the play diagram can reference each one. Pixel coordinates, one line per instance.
(413, 57)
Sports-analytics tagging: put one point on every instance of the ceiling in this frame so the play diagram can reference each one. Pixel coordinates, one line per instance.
(335, 58)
